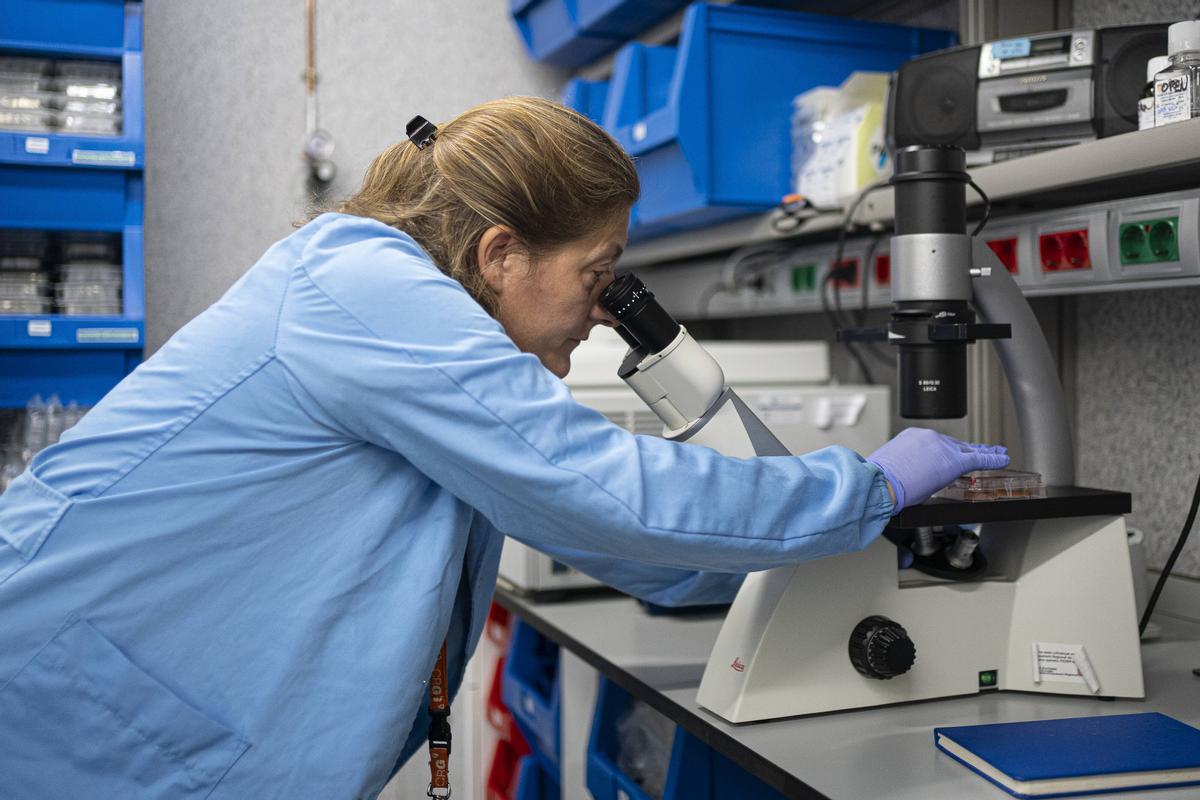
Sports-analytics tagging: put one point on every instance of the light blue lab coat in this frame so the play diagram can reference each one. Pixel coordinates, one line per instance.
(232, 578)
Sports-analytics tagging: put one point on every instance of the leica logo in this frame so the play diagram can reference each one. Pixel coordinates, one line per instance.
(737, 665)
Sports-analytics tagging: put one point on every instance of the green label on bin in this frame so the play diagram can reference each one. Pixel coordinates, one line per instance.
(108, 158)
(107, 335)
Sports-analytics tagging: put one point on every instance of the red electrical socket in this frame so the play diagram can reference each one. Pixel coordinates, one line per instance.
(1006, 251)
(883, 269)
(1065, 250)
(844, 281)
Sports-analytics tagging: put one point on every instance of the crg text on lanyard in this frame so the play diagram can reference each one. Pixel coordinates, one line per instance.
(439, 729)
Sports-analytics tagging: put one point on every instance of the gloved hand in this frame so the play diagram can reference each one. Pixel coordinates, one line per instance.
(918, 462)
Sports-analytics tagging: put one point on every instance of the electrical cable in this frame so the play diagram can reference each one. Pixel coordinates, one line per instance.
(795, 210)
(871, 347)
(1166, 571)
(835, 316)
(834, 321)
(743, 266)
(987, 208)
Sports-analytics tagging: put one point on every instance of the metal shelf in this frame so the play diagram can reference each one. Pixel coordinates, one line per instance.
(1141, 162)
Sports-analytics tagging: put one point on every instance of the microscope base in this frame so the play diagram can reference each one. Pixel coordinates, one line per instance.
(1057, 592)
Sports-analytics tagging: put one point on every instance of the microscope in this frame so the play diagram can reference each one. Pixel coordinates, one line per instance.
(1029, 594)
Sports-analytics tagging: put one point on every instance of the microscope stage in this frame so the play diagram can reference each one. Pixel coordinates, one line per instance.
(1060, 501)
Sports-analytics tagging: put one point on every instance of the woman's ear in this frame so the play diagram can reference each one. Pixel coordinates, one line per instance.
(496, 257)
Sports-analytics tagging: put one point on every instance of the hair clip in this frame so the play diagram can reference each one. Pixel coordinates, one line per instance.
(420, 132)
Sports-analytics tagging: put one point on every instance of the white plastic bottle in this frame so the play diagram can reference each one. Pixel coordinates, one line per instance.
(1145, 103)
(1176, 93)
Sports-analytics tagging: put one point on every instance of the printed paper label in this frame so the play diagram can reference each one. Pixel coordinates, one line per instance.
(1056, 662)
(37, 145)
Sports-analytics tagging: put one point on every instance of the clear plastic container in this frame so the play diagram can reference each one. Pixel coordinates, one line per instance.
(30, 101)
(90, 89)
(34, 276)
(95, 124)
(25, 306)
(20, 264)
(89, 246)
(1177, 87)
(89, 272)
(88, 309)
(22, 242)
(22, 290)
(36, 121)
(86, 105)
(995, 484)
(89, 71)
(19, 75)
(88, 292)
(15, 67)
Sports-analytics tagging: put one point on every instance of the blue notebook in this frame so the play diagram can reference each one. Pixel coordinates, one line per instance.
(1081, 755)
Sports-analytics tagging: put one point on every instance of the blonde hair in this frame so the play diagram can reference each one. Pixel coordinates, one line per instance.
(547, 173)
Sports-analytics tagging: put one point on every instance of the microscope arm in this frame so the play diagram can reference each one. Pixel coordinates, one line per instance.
(1030, 369)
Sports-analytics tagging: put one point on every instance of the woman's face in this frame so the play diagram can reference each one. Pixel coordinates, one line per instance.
(549, 306)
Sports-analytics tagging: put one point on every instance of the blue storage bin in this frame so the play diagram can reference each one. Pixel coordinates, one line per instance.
(605, 780)
(624, 18)
(550, 29)
(73, 373)
(535, 782)
(104, 30)
(586, 97)
(79, 27)
(709, 121)
(695, 771)
(532, 691)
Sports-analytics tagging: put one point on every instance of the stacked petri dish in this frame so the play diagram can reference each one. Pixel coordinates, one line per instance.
(28, 101)
(995, 484)
(25, 285)
(67, 96)
(89, 275)
(76, 273)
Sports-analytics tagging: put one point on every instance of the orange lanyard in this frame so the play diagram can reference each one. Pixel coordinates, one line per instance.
(439, 729)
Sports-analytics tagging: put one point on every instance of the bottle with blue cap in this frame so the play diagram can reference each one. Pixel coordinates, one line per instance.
(1176, 94)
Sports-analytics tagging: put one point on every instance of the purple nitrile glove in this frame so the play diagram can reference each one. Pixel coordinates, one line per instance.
(918, 462)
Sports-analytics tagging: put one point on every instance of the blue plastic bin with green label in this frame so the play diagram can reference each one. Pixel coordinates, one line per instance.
(709, 121)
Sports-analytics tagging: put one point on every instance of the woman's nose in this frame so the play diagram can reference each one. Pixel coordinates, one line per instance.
(598, 316)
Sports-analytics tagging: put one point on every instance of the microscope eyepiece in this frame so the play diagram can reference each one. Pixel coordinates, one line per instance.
(643, 323)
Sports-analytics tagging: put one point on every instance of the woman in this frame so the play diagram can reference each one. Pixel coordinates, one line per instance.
(233, 577)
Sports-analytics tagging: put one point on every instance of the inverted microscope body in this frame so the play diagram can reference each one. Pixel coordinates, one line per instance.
(1063, 585)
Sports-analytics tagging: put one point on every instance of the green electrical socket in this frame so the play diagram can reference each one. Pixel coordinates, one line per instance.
(1149, 241)
(804, 278)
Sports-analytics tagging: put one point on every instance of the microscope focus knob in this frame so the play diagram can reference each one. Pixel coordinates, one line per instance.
(880, 648)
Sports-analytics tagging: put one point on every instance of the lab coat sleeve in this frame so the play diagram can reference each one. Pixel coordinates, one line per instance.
(381, 346)
(664, 586)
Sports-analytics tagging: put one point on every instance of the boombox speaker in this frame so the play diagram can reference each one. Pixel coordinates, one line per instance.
(935, 99)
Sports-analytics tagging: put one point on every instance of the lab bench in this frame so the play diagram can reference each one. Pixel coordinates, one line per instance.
(857, 755)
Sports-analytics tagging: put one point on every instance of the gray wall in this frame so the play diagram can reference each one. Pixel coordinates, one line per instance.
(225, 119)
